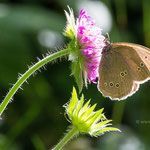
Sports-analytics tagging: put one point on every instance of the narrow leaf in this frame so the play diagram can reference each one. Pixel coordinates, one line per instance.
(96, 126)
(79, 106)
(106, 130)
(73, 102)
(93, 117)
(84, 108)
(86, 114)
(77, 73)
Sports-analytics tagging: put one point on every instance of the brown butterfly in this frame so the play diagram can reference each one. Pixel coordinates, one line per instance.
(123, 67)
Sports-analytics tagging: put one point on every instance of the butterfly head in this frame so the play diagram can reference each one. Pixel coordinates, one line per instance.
(107, 43)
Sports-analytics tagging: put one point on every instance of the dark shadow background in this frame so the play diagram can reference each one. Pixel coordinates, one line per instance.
(35, 118)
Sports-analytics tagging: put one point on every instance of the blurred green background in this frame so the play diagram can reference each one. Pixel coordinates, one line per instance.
(35, 118)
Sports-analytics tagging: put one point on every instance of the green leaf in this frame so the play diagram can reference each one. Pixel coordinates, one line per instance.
(84, 108)
(94, 116)
(96, 126)
(101, 117)
(73, 103)
(106, 130)
(77, 73)
(72, 44)
(86, 114)
(79, 106)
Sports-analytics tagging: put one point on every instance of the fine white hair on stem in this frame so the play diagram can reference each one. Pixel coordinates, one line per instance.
(31, 71)
(50, 52)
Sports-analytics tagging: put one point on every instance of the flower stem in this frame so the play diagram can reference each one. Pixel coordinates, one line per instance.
(73, 132)
(28, 73)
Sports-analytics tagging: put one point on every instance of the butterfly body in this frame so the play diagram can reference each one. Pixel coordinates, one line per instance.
(123, 67)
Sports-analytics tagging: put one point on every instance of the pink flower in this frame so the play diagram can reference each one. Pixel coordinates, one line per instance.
(86, 47)
(91, 43)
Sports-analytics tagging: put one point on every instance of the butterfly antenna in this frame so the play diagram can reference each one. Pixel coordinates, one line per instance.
(107, 39)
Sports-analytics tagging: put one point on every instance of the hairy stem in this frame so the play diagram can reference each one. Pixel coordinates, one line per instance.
(28, 73)
(73, 132)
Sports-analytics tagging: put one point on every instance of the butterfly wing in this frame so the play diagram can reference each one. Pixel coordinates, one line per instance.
(115, 80)
(135, 88)
(137, 58)
(133, 58)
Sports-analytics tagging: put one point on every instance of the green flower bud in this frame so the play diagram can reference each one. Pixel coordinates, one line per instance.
(70, 30)
(85, 119)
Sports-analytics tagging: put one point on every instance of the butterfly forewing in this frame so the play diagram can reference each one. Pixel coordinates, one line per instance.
(144, 54)
(137, 59)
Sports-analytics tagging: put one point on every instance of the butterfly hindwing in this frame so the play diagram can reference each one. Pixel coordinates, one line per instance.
(115, 79)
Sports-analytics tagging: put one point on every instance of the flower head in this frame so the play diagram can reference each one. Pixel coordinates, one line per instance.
(85, 119)
(87, 44)
(91, 42)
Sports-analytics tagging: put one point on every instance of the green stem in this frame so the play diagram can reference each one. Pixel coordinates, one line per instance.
(118, 111)
(74, 131)
(28, 73)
